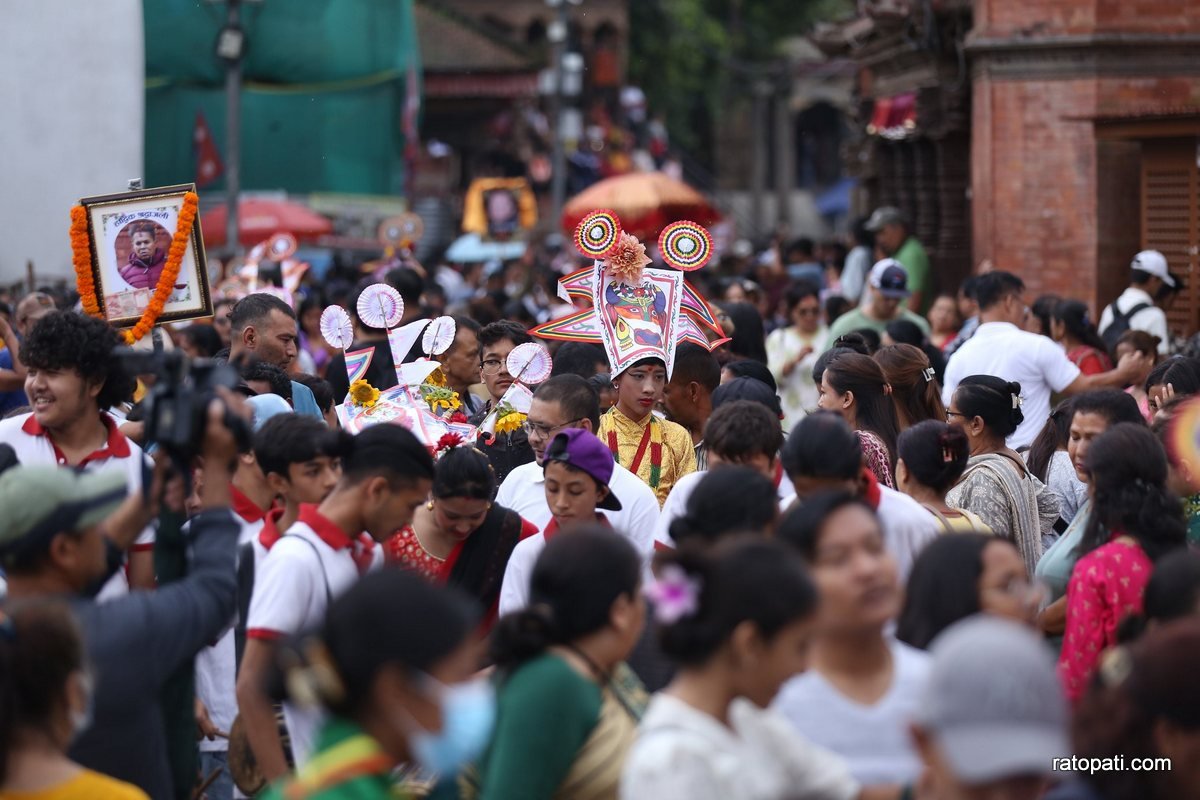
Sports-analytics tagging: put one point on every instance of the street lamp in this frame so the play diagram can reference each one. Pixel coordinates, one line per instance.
(567, 69)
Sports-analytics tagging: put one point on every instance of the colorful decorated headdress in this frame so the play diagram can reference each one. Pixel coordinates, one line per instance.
(637, 312)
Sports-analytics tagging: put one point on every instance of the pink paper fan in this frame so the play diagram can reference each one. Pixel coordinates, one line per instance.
(380, 306)
(529, 363)
(336, 327)
(438, 336)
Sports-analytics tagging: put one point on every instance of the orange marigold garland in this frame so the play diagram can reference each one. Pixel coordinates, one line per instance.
(166, 282)
(81, 255)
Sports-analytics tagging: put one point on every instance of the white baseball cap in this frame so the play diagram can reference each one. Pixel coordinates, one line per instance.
(1154, 263)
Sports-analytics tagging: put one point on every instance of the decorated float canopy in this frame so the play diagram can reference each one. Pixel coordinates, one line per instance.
(637, 312)
(421, 401)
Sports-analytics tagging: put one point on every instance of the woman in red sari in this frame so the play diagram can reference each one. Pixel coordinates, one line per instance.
(460, 537)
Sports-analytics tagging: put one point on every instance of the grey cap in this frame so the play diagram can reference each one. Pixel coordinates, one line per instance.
(993, 702)
(885, 215)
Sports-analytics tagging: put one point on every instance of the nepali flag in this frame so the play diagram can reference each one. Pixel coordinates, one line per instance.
(208, 160)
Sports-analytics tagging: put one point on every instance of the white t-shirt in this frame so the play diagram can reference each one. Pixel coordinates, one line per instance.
(524, 492)
(216, 665)
(676, 503)
(33, 446)
(1036, 362)
(907, 528)
(682, 753)
(873, 739)
(314, 562)
(1152, 320)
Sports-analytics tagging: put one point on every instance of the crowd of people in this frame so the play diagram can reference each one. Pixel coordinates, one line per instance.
(875, 542)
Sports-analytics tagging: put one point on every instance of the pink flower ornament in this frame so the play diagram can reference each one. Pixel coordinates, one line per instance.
(675, 595)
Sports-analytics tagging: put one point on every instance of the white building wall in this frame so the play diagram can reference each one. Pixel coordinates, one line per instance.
(72, 77)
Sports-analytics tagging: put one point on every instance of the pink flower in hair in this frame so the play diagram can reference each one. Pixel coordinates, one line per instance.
(675, 594)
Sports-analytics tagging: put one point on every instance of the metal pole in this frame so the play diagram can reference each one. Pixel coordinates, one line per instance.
(758, 154)
(558, 185)
(233, 135)
(784, 148)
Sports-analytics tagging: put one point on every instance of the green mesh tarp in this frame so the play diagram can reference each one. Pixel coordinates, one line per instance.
(323, 100)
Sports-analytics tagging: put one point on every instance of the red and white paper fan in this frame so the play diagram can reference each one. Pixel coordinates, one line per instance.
(380, 306)
(337, 328)
(438, 336)
(529, 363)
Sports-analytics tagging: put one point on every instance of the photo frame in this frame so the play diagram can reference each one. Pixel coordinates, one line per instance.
(129, 235)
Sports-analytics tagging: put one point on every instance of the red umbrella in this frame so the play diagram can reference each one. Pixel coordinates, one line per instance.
(258, 219)
(646, 202)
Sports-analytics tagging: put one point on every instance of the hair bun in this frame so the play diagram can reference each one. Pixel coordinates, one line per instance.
(1014, 387)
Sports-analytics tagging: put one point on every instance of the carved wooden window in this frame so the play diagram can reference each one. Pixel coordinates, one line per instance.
(1171, 220)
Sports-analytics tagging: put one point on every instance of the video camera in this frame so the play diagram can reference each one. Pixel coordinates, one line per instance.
(176, 406)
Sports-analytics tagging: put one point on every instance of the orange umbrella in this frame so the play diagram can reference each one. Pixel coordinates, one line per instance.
(259, 219)
(646, 202)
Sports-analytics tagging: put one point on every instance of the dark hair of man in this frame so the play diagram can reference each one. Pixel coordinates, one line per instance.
(69, 341)
(747, 368)
(575, 397)
(943, 588)
(695, 364)
(495, 332)
(745, 580)
(822, 445)
(968, 286)
(408, 283)
(575, 582)
(40, 647)
(579, 358)
(144, 226)
(287, 439)
(750, 389)
(742, 429)
(1139, 277)
(255, 309)
(992, 287)
(204, 338)
(991, 399)
(802, 526)
(731, 499)
(388, 450)
(464, 472)
(363, 634)
(278, 380)
(322, 391)
(835, 306)
(1127, 469)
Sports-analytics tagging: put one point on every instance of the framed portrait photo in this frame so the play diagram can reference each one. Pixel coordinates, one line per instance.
(130, 236)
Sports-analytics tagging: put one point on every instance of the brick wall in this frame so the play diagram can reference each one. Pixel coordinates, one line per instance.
(1059, 17)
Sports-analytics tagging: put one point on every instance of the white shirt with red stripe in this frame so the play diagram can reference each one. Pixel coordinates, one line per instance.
(514, 590)
(216, 666)
(313, 562)
(33, 446)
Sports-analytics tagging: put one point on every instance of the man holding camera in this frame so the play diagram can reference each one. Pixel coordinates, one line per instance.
(53, 543)
(73, 378)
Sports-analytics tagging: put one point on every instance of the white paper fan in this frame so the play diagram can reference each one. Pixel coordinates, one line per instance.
(438, 336)
(337, 328)
(380, 306)
(529, 363)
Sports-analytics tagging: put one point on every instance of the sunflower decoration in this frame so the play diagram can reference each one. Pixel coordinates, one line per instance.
(363, 394)
(508, 419)
(436, 378)
(440, 398)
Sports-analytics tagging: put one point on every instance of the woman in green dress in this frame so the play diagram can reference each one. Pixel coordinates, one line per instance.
(568, 706)
(393, 666)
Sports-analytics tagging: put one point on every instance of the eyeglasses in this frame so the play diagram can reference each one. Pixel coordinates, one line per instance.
(950, 415)
(491, 366)
(540, 431)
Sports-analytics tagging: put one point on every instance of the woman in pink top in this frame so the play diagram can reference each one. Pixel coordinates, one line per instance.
(1135, 519)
